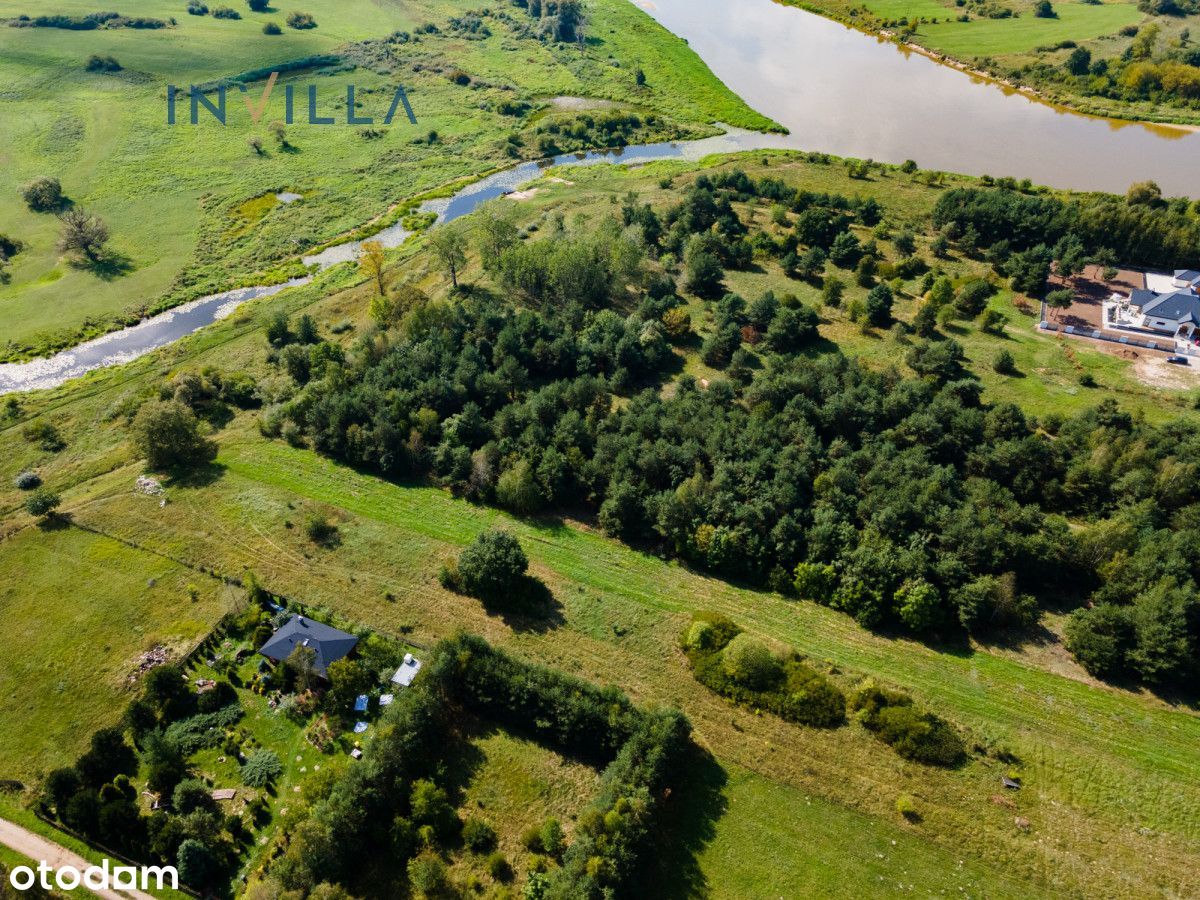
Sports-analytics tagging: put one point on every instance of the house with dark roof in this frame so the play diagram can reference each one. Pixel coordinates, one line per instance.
(327, 643)
(1186, 278)
(1178, 311)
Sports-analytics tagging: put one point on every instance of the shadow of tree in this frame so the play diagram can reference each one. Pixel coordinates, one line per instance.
(530, 607)
(688, 824)
(107, 266)
(197, 477)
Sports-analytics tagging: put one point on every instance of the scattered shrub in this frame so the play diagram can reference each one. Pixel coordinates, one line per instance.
(498, 867)
(907, 807)
(27, 481)
(478, 836)
(102, 64)
(261, 768)
(42, 503)
(912, 732)
(301, 21)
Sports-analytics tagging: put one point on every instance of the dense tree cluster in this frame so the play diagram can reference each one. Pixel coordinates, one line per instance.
(904, 502)
(97, 798)
(1017, 229)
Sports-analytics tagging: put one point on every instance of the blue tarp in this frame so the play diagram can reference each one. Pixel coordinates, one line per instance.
(360, 727)
(360, 705)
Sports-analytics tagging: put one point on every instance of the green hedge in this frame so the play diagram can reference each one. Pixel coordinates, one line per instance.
(795, 691)
(911, 731)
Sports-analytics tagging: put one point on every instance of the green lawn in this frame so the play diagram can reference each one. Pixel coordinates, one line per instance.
(995, 37)
(513, 783)
(776, 841)
(80, 610)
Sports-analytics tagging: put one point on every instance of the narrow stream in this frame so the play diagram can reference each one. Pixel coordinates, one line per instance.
(158, 331)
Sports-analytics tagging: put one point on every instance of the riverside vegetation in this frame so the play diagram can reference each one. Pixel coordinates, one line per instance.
(1121, 59)
(190, 210)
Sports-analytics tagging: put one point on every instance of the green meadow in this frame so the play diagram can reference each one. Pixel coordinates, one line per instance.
(1006, 40)
(1000, 37)
(175, 197)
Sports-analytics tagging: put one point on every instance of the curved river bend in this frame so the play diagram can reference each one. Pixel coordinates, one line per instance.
(852, 94)
(837, 90)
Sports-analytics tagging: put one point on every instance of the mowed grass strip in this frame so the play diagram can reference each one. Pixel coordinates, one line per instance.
(78, 610)
(776, 841)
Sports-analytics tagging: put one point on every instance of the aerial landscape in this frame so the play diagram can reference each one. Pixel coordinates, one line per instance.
(599, 449)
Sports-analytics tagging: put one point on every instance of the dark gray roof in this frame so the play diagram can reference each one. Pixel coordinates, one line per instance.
(1140, 298)
(327, 642)
(1178, 306)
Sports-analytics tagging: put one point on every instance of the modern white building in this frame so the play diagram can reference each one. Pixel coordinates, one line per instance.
(1176, 313)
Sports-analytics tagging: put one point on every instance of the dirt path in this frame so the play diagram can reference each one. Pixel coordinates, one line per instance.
(39, 848)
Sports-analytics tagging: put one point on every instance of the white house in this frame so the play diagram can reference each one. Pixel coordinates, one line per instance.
(1176, 313)
(1186, 278)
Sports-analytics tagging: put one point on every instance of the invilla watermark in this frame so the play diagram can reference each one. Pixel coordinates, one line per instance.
(199, 98)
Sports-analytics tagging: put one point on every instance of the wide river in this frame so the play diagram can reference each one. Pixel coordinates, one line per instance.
(851, 94)
(835, 89)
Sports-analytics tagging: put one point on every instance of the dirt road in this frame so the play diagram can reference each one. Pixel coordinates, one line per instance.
(39, 848)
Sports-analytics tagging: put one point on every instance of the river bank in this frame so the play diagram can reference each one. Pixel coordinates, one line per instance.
(1058, 94)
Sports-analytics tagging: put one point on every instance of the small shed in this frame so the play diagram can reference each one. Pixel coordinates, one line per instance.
(408, 671)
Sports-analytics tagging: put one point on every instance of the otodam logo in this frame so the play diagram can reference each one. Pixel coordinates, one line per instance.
(94, 878)
(199, 98)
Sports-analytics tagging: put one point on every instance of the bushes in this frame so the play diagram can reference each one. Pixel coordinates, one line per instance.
(225, 12)
(301, 21)
(478, 836)
(167, 434)
(42, 503)
(912, 732)
(748, 662)
(740, 667)
(261, 768)
(43, 194)
(27, 481)
(102, 64)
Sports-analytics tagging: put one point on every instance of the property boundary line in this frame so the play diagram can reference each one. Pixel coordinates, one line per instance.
(1098, 335)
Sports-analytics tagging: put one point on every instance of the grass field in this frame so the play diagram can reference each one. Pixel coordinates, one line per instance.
(81, 608)
(1000, 37)
(1109, 792)
(171, 195)
(513, 784)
